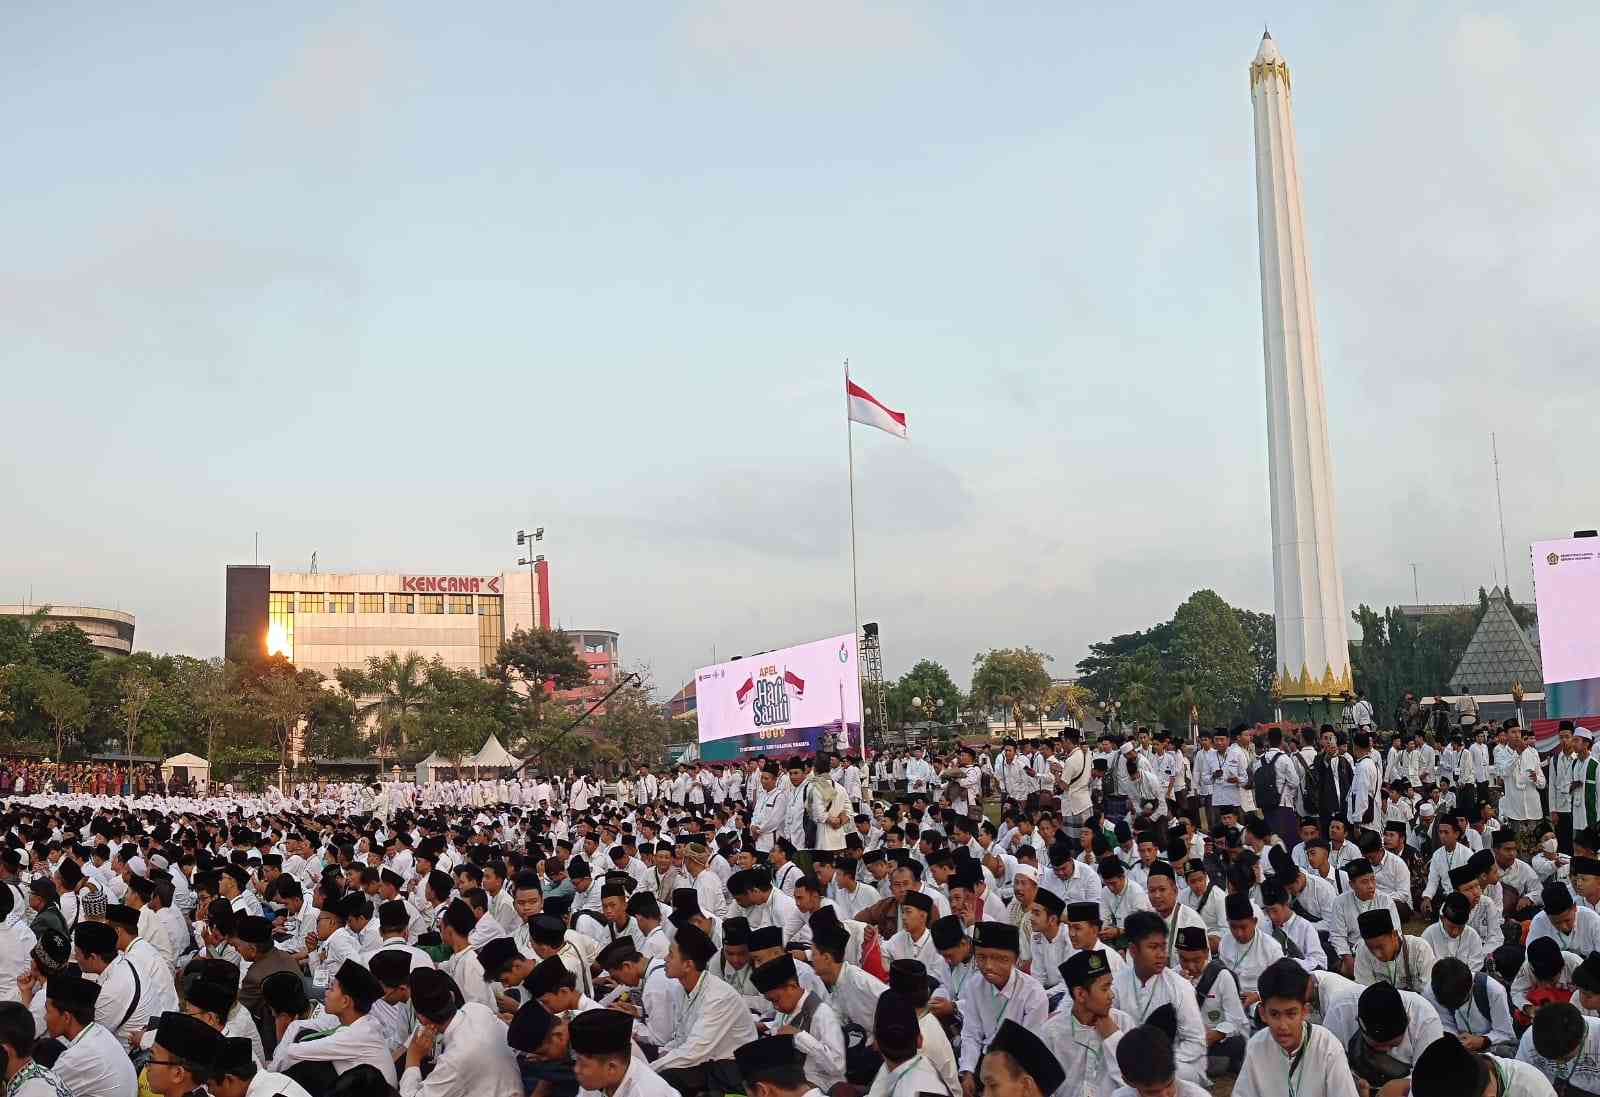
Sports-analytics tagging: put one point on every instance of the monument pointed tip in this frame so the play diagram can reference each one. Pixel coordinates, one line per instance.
(1269, 49)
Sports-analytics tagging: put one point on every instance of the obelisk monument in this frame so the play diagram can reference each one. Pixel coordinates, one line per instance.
(1313, 649)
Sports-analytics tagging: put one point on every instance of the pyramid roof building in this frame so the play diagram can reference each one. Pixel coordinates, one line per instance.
(1499, 655)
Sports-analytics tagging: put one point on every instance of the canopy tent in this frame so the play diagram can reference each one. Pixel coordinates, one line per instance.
(429, 767)
(186, 767)
(494, 756)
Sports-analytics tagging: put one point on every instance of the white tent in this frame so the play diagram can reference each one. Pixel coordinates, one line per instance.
(428, 768)
(494, 756)
(194, 767)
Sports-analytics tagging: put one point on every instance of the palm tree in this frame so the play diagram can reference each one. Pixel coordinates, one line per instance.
(396, 687)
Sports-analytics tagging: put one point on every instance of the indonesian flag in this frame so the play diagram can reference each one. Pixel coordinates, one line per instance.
(865, 408)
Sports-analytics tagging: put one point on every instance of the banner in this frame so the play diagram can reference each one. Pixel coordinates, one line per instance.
(781, 702)
(1566, 577)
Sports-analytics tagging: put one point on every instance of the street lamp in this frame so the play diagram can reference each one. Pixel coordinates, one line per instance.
(528, 561)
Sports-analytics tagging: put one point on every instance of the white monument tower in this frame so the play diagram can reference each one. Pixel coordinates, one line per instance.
(1313, 650)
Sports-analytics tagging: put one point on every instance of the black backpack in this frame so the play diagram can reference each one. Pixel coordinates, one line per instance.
(1264, 782)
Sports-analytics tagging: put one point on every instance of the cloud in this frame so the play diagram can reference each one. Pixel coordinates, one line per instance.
(161, 292)
(826, 31)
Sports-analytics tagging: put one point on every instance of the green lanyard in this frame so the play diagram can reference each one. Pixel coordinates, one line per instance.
(894, 1079)
(1095, 1054)
(1299, 1057)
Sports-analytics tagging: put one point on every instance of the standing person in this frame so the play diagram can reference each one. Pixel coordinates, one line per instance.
(1361, 807)
(1232, 773)
(1077, 774)
(1206, 763)
(1284, 777)
(1523, 777)
(1561, 780)
(1331, 776)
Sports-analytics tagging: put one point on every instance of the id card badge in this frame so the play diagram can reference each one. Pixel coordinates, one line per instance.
(320, 979)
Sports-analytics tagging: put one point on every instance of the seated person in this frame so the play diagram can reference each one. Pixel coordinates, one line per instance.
(1145, 1058)
(1387, 955)
(1563, 1044)
(1446, 1069)
(1472, 1007)
(714, 1022)
(1246, 951)
(1290, 1043)
(1451, 936)
(604, 1059)
(1222, 1012)
(1545, 977)
(808, 1018)
(1018, 1063)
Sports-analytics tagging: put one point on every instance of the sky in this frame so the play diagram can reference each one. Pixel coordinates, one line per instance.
(388, 289)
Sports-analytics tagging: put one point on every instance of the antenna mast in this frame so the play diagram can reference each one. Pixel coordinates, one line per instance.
(1500, 505)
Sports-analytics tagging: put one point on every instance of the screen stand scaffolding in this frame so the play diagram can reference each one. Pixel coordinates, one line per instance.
(855, 582)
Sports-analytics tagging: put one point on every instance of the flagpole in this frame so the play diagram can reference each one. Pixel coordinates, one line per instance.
(855, 582)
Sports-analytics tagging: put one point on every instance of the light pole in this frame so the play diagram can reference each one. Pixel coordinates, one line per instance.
(528, 561)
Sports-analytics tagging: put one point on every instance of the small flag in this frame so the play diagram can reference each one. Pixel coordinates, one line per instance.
(795, 682)
(865, 408)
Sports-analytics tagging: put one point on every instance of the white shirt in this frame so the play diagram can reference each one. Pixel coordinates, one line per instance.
(822, 1043)
(1323, 1070)
(640, 1081)
(983, 1008)
(854, 995)
(1248, 961)
(269, 1083)
(1141, 998)
(1524, 777)
(345, 1047)
(1582, 1071)
(1411, 969)
(476, 1060)
(95, 1063)
(1423, 1026)
(713, 1022)
(1584, 938)
(116, 994)
(1469, 1020)
(1467, 946)
(1090, 1062)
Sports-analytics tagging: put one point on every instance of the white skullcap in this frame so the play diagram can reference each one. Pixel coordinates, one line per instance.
(1425, 809)
(159, 862)
(1583, 733)
(137, 866)
(1029, 871)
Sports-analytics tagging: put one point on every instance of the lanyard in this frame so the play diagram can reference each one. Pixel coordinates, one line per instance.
(1299, 1057)
(894, 1079)
(1095, 1053)
(994, 995)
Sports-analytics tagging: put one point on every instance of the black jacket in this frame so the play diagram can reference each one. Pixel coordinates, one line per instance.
(1329, 801)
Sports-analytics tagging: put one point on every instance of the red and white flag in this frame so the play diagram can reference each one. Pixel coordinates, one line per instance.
(865, 408)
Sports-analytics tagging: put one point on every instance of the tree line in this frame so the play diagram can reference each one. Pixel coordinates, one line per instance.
(61, 698)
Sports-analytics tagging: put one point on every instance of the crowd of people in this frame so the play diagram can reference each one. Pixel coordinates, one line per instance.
(1303, 912)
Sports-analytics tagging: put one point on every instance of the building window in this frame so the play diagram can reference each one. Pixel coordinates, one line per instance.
(430, 603)
(341, 603)
(311, 602)
(371, 603)
(280, 624)
(402, 603)
(460, 603)
(491, 628)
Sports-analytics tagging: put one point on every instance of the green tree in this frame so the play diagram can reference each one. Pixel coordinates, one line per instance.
(461, 712)
(209, 689)
(390, 692)
(1014, 679)
(331, 729)
(1261, 630)
(65, 648)
(1211, 658)
(64, 703)
(543, 659)
(635, 724)
(281, 701)
(135, 690)
(929, 683)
